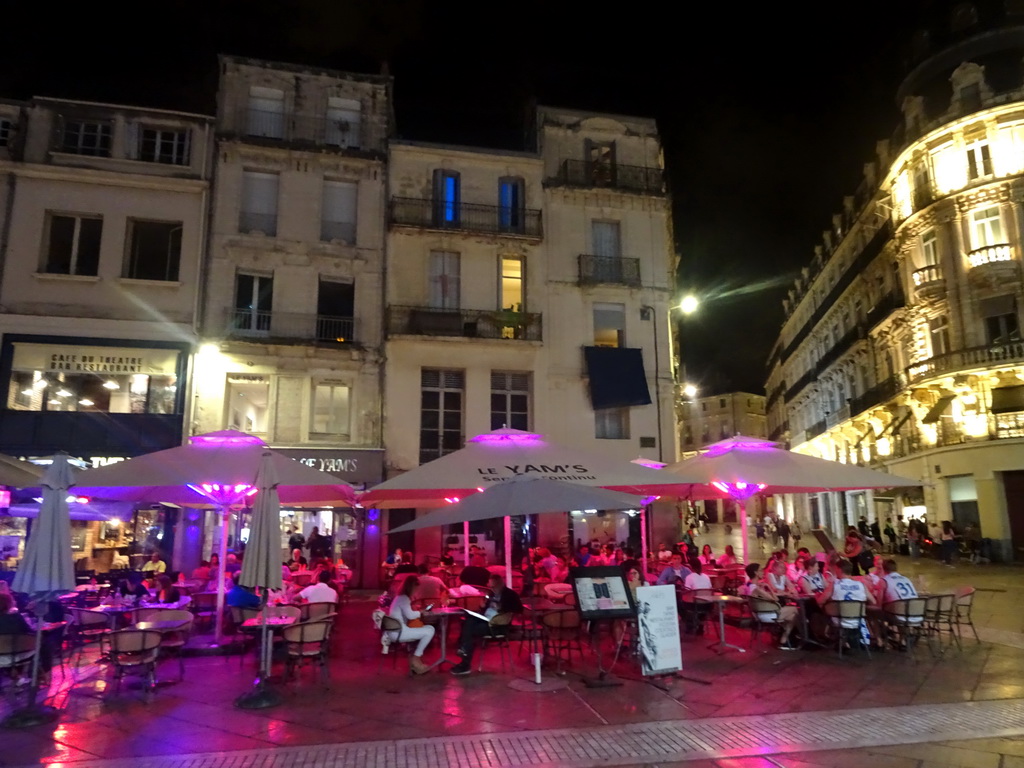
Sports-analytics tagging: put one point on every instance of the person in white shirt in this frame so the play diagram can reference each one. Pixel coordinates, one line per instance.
(812, 582)
(697, 579)
(707, 556)
(786, 615)
(897, 586)
(321, 592)
(844, 587)
(413, 627)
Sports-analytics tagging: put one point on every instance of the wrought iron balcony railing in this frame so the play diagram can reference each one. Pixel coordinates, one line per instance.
(627, 178)
(609, 269)
(253, 324)
(465, 323)
(467, 217)
(366, 134)
(966, 359)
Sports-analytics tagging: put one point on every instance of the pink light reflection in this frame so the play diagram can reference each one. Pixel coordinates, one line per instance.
(221, 439)
(223, 495)
(525, 437)
(739, 490)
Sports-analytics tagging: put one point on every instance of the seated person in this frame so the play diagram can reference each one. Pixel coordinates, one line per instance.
(812, 582)
(584, 556)
(240, 596)
(785, 616)
(897, 586)
(707, 556)
(475, 574)
(560, 571)
(13, 623)
(676, 571)
(503, 600)
(665, 553)
(298, 561)
(232, 566)
(166, 592)
(203, 572)
(698, 579)
(321, 591)
(726, 558)
(406, 566)
(430, 587)
(776, 581)
(413, 627)
(154, 566)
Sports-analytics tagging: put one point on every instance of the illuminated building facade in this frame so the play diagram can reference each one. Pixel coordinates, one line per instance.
(902, 346)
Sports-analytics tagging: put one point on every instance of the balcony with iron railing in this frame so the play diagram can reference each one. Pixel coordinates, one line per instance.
(608, 269)
(363, 135)
(929, 282)
(962, 360)
(465, 217)
(815, 429)
(464, 323)
(610, 175)
(292, 326)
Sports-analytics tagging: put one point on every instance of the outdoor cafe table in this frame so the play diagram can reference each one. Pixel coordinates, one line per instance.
(163, 627)
(557, 591)
(721, 601)
(274, 624)
(441, 616)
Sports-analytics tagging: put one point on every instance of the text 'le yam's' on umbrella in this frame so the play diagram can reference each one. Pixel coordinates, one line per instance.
(744, 466)
(16, 473)
(217, 469)
(493, 457)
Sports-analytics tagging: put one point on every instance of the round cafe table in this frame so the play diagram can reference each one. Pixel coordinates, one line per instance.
(441, 617)
(721, 601)
(557, 591)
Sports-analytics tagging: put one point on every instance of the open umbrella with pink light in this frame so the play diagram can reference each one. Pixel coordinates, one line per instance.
(741, 467)
(217, 469)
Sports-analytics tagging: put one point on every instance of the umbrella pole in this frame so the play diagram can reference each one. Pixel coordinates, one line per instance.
(743, 530)
(465, 541)
(508, 551)
(262, 694)
(225, 517)
(643, 543)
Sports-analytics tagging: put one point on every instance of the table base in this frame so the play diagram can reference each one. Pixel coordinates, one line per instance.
(721, 645)
(262, 696)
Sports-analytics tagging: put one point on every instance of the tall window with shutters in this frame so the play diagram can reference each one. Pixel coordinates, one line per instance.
(447, 198)
(938, 330)
(510, 400)
(344, 122)
(979, 160)
(259, 203)
(606, 239)
(330, 412)
(511, 203)
(987, 226)
(445, 283)
(441, 413)
(265, 115)
(338, 212)
(513, 295)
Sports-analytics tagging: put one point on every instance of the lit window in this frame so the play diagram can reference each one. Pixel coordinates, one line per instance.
(447, 198)
(938, 330)
(930, 248)
(511, 204)
(979, 160)
(247, 400)
(512, 297)
(331, 409)
(987, 225)
(609, 325)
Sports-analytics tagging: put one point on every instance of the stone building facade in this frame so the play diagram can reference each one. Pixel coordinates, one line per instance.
(902, 346)
(706, 420)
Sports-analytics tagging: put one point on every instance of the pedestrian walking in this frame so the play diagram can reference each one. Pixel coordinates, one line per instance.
(796, 533)
(759, 533)
(784, 532)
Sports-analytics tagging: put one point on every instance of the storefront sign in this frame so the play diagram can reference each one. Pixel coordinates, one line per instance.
(352, 465)
(78, 359)
(658, 619)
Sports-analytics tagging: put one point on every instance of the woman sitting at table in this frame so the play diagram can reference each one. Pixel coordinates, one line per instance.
(727, 558)
(707, 557)
(413, 627)
(166, 592)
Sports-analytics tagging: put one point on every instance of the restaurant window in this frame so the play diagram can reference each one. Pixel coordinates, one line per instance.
(154, 250)
(611, 424)
(511, 203)
(254, 302)
(86, 137)
(445, 280)
(609, 325)
(247, 399)
(512, 293)
(1001, 322)
(510, 400)
(72, 244)
(258, 212)
(979, 160)
(169, 146)
(344, 119)
(51, 377)
(266, 112)
(338, 212)
(441, 413)
(331, 402)
(938, 331)
(447, 198)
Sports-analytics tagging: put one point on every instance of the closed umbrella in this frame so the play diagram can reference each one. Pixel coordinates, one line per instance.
(46, 568)
(262, 568)
(214, 469)
(744, 466)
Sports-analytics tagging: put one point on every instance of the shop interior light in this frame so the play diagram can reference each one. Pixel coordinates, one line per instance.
(63, 393)
(40, 383)
(28, 392)
(111, 384)
(53, 402)
(86, 402)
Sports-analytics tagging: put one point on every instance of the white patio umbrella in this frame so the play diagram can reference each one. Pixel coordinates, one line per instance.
(17, 473)
(496, 456)
(46, 568)
(528, 494)
(214, 469)
(743, 466)
(262, 568)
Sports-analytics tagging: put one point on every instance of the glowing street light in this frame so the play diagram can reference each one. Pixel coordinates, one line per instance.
(689, 304)
(689, 391)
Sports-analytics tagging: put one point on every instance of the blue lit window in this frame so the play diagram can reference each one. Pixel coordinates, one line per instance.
(447, 201)
(510, 204)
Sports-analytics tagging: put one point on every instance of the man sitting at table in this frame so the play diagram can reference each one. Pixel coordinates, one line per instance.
(676, 571)
(897, 586)
(241, 596)
(503, 600)
(430, 587)
(155, 566)
(298, 562)
(321, 592)
(475, 574)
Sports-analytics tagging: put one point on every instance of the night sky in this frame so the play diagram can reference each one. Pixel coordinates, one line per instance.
(767, 113)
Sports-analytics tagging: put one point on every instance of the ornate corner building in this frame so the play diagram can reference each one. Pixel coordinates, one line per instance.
(901, 347)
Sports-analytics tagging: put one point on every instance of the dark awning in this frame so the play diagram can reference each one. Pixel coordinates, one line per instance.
(1007, 399)
(936, 410)
(617, 377)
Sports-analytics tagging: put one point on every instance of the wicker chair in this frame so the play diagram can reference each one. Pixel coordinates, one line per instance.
(498, 630)
(307, 642)
(135, 649)
(964, 605)
(173, 643)
(906, 619)
(204, 607)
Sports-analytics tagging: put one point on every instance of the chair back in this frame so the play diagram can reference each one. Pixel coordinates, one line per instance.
(83, 618)
(178, 615)
(149, 614)
(569, 599)
(964, 601)
(501, 620)
(16, 645)
(761, 605)
(846, 609)
(134, 640)
(389, 624)
(314, 611)
(940, 606)
(307, 632)
(908, 611)
(293, 611)
(204, 601)
(302, 578)
(561, 619)
(240, 615)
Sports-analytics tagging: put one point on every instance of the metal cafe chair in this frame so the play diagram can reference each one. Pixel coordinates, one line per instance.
(964, 604)
(498, 634)
(848, 610)
(307, 642)
(906, 620)
(135, 649)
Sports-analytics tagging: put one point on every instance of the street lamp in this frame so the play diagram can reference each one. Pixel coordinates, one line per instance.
(689, 304)
(689, 391)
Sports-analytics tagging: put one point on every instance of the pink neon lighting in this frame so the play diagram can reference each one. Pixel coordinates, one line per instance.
(517, 438)
(718, 450)
(739, 489)
(649, 463)
(215, 439)
(224, 494)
